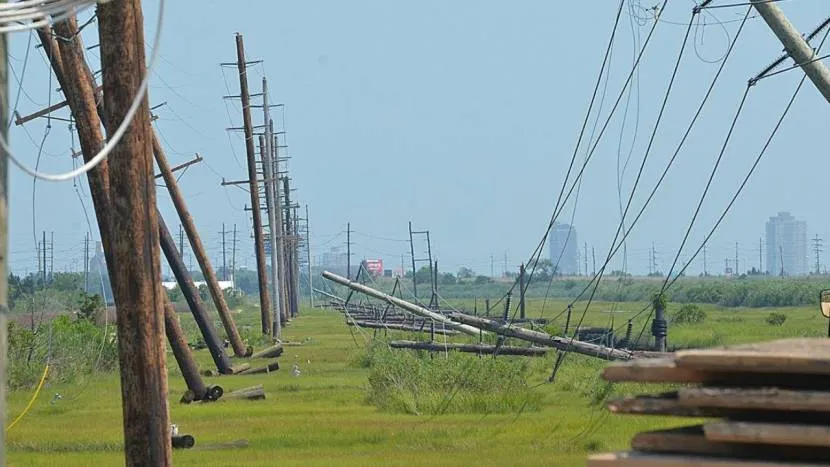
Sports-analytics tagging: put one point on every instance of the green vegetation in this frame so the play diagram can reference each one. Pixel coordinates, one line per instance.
(688, 314)
(357, 402)
(418, 383)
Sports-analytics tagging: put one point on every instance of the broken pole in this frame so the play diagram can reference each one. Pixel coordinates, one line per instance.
(560, 343)
(522, 291)
(191, 295)
(253, 185)
(216, 293)
(139, 296)
(397, 327)
(410, 307)
(470, 348)
(182, 353)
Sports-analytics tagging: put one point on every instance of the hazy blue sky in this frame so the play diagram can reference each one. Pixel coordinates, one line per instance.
(459, 116)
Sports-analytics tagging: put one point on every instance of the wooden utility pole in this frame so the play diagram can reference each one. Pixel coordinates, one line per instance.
(291, 240)
(4, 242)
(138, 294)
(272, 196)
(216, 293)
(274, 233)
(191, 295)
(78, 86)
(795, 45)
(253, 185)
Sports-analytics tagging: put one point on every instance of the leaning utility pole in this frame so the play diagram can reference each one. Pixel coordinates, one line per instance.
(275, 238)
(264, 299)
(795, 45)
(86, 263)
(198, 249)
(522, 291)
(4, 241)
(138, 294)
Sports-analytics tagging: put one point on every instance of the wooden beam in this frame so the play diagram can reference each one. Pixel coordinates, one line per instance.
(139, 296)
(42, 113)
(545, 339)
(183, 165)
(470, 348)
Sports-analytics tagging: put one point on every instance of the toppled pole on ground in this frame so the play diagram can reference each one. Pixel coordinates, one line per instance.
(400, 327)
(564, 344)
(470, 348)
(403, 304)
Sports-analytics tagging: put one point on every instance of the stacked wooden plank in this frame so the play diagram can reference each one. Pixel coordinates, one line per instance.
(768, 404)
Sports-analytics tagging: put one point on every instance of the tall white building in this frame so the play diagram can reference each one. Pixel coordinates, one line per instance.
(564, 247)
(786, 245)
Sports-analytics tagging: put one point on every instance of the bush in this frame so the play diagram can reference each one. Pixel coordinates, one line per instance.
(414, 383)
(71, 347)
(776, 319)
(688, 314)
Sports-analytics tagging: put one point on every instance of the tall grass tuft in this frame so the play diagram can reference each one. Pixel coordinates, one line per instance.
(417, 383)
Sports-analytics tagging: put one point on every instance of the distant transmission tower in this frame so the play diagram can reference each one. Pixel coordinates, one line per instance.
(817, 244)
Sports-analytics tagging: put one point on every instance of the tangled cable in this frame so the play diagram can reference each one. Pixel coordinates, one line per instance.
(119, 132)
(33, 14)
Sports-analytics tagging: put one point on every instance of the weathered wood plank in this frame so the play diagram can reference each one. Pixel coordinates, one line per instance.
(668, 404)
(802, 355)
(667, 370)
(768, 433)
(756, 398)
(692, 440)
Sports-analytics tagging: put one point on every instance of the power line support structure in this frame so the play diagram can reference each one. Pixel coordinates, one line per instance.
(253, 186)
(138, 294)
(308, 257)
(817, 249)
(795, 45)
(272, 197)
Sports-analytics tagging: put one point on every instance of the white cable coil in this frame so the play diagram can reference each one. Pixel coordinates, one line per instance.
(32, 14)
(128, 118)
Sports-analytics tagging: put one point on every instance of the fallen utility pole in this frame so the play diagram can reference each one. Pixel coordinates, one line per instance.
(560, 343)
(399, 327)
(191, 295)
(216, 293)
(403, 304)
(470, 348)
(795, 45)
(259, 245)
(139, 296)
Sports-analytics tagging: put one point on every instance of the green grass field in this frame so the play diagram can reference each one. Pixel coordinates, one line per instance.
(322, 417)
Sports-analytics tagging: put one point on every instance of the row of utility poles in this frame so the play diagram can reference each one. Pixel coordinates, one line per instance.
(277, 238)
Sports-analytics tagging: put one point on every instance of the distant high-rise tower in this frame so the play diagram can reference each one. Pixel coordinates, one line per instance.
(786, 245)
(564, 247)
